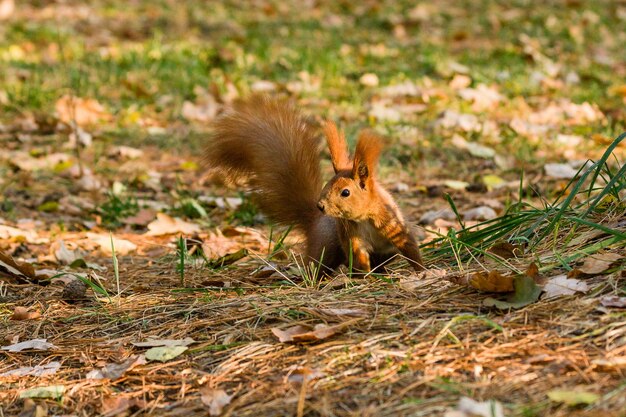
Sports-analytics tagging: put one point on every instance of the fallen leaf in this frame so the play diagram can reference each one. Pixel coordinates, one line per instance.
(526, 292)
(493, 281)
(464, 121)
(142, 218)
(406, 88)
(480, 151)
(430, 216)
(22, 313)
(39, 370)
(203, 110)
(263, 86)
(493, 181)
(114, 371)
(369, 80)
(479, 213)
(82, 111)
(382, 112)
(122, 246)
(51, 162)
(460, 81)
(113, 406)
(571, 141)
(482, 97)
(301, 333)
(456, 185)
(613, 301)
(51, 391)
(164, 342)
(17, 269)
(471, 408)
(560, 171)
(117, 405)
(167, 225)
(561, 285)
(126, 152)
(417, 281)
(35, 344)
(506, 250)
(66, 256)
(215, 399)
(8, 232)
(573, 398)
(598, 263)
(165, 353)
(228, 203)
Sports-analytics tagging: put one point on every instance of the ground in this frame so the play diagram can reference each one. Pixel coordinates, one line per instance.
(502, 125)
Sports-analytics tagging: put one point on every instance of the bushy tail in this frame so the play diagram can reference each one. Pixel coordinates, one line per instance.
(271, 145)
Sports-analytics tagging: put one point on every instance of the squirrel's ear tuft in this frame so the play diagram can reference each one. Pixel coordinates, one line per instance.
(366, 157)
(337, 146)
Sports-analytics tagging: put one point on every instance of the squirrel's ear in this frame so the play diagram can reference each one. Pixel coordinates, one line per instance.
(337, 146)
(366, 156)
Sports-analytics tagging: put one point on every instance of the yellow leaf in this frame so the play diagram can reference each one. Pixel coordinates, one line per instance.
(493, 181)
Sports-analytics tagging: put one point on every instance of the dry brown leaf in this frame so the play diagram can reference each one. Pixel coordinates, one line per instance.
(613, 301)
(142, 218)
(16, 269)
(38, 370)
(113, 406)
(561, 285)
(301, 333)
(506, 250)
(8, 232)
(167, 225)
(22, 313)
(493, 281)
(118, 405)
(230, 240)
(126, 152)
(64, 255)
(114, 371)
(598, 263)
(122, 246)
(82, 111)
(482, 97)
(204, 110)
(215, 399)
(35, 344)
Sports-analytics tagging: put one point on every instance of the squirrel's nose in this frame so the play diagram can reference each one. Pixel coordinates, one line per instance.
(320, 206)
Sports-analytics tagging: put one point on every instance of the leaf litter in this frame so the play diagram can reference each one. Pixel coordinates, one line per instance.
(57, 169)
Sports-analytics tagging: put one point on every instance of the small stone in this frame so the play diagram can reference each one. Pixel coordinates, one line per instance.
(74, 290)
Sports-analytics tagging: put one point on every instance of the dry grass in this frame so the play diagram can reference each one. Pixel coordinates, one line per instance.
(406, 354)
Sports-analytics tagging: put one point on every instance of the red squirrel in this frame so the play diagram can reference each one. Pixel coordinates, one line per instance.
(272, 146)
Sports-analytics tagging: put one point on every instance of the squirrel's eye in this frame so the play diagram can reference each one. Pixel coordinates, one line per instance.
(345, 192)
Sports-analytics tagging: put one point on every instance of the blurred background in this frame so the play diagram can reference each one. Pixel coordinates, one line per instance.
(468, 91)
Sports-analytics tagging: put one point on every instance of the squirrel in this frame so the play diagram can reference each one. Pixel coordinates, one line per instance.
(271, 145)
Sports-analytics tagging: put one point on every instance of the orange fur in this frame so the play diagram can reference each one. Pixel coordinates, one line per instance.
(337, 147)
(366, 156)
(271, 145)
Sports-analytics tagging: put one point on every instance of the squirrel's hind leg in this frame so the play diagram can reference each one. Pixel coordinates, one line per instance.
(324, 246)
